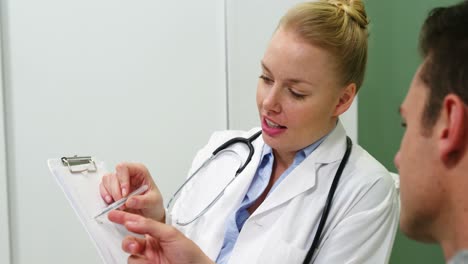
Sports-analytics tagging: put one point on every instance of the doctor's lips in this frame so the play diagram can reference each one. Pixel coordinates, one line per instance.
(271, 128)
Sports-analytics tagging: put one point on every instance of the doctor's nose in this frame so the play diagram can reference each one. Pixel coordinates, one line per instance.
(271, 101)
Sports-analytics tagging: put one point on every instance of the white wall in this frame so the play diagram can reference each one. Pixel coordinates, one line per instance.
(123, 80)
(250, 25)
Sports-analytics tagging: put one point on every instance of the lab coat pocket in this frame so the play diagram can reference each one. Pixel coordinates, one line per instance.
(281, 252)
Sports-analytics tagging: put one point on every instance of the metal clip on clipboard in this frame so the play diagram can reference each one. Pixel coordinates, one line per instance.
(76, 164)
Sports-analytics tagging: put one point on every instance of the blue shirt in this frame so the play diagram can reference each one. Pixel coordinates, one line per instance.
(258, 185)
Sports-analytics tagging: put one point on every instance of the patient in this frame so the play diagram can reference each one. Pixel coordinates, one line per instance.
(433, 156)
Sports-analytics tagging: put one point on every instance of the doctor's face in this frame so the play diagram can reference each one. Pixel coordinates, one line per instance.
(417, 159)
(297, 93)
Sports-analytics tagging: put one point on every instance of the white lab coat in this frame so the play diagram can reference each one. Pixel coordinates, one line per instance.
(360, 228)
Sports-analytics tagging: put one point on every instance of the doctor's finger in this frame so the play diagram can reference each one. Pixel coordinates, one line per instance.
(120, 217)
(134, 245)
(139, 174)
(113, 187)
(108, 180)
(122, 173)
(153, 228)
(148, 200)
(134, 259)
(141, 225)
(105, 194)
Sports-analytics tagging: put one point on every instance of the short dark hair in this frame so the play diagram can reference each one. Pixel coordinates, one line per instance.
(444, 46)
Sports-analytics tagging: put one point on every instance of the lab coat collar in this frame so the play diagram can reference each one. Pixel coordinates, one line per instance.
(303, 177)
(334, 147)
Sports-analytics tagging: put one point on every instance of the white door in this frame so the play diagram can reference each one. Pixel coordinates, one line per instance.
(4, 220)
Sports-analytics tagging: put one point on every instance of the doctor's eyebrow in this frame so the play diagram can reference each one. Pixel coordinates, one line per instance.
(265, 68)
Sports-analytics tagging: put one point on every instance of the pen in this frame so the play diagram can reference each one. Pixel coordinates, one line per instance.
(122, 201)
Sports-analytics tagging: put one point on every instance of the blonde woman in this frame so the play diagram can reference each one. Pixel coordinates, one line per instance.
(308, 194)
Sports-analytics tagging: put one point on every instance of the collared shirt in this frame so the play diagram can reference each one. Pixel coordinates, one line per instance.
(257, 187)
(460, 258)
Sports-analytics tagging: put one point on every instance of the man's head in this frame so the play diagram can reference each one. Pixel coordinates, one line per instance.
(444, 45)
(433, 152)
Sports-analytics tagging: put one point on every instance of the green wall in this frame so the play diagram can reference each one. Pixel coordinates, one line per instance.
(393, 59)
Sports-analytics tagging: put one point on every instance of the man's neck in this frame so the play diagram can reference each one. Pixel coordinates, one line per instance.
(455, 225)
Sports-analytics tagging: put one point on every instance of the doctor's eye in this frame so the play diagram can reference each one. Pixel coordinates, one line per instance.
(266, 79)
(296, 95)
(403, 124)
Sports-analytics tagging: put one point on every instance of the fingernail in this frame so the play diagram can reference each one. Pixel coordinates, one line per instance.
(132, 247)
(108, 199)
(124, 191)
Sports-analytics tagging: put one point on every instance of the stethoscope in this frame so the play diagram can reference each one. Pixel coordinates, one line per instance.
(224, 148)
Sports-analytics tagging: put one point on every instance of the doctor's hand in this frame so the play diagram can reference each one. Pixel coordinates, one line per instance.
(127, 178)
(163, 244)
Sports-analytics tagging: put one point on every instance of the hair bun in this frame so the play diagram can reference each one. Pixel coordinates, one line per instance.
(355, 9)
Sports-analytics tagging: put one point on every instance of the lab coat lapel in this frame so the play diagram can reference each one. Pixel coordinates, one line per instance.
(303, 177)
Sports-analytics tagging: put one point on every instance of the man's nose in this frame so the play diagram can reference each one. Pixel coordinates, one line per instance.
(396, 160)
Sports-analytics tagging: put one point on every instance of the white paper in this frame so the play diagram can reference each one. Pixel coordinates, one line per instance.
(82, 191)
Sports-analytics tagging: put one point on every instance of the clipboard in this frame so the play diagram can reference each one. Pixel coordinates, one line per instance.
(79, 179)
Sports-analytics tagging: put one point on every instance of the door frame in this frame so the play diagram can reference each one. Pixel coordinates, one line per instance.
(4, 205)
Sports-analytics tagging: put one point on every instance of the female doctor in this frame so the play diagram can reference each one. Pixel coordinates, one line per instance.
(272, 211)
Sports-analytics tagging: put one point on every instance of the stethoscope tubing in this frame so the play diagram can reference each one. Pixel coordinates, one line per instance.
(218, 151)
(328, 203)
(248, 141)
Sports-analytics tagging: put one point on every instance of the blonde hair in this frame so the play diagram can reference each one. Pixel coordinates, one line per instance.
(340, 27)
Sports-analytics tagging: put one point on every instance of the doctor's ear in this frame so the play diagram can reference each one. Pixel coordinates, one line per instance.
(346, 99)
(452, 133)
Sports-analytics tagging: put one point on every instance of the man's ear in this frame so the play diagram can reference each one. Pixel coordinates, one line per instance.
(452, 130)
(346, 99)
